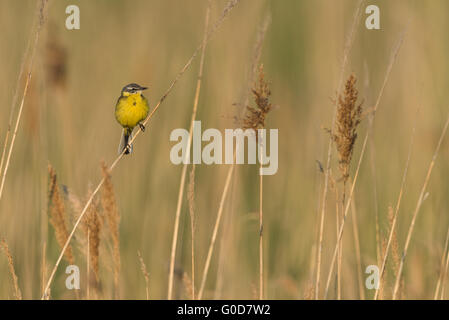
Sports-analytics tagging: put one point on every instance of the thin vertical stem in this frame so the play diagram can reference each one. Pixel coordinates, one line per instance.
(442, 267)
(25, 91)
(215, 231)
(347, 49)
(355, 230)
(398, 204)
(88, 261)
(415, 213)
(376, 106)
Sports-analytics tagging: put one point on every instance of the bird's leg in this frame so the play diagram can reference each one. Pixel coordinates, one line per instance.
(142, 127)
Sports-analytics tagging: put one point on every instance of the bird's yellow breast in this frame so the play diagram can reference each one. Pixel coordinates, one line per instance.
(131, 109)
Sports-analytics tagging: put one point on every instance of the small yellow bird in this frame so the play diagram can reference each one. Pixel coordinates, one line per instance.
(131, 109)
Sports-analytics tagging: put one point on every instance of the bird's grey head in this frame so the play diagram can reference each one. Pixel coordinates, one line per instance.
(133, 88)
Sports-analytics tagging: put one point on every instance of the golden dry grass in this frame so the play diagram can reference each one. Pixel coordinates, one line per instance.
(12, 272)
(58, 215)
(57, 95)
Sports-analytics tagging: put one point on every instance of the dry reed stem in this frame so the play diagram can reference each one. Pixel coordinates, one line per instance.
(12, 272)
(415, 213)
(25, 91)
(255, 119)
(443, 279)
(337, 219)
(348, 118)
(44, 266)
(342, 223)
(146, 275)
(215, 231)
(58, 214)
(333, 185)
(184, 168)
(111, 213)
(5, 144)
(398, 204)
(348, 46)
(191, 199)
(442, 265)
(366, 85)
(389, 68)
(14, 102)
(376, 208)
(355, 231)
(231, 4)
(88, 265)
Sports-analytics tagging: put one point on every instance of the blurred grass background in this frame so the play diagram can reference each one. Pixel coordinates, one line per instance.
(69, 122)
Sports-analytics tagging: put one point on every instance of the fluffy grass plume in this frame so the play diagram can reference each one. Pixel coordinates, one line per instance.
(146, 275)
(93, 223)
(255, 116)
(17, 292)
(188, 286)
(58, 214)
(349, 115)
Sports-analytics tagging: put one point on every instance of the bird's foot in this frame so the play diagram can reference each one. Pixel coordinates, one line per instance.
(142, 127)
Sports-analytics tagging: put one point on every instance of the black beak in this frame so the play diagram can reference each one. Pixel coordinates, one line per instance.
(143, 88)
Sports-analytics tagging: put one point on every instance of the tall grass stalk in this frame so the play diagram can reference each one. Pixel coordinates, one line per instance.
(215, 230)
(40, 24)
(12, 272)
(444, 276)
(442, 267)
(393, 58)
(415, 213)
(396, 212)
(355, 231)
(346, 51)
(146, 275)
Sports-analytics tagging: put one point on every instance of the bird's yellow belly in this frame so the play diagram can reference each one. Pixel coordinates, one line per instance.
(130, 112)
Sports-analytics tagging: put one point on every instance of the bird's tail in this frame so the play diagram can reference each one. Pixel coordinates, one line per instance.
(127, 135)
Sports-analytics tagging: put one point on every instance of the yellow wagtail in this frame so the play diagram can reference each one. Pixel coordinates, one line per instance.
(131, 109)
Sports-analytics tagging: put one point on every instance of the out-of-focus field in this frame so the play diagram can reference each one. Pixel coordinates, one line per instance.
(69, 122)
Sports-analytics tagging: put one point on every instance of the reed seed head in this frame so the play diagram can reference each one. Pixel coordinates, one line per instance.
(255, 116)
(17, 292)
(349, 115)
(58, 215)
